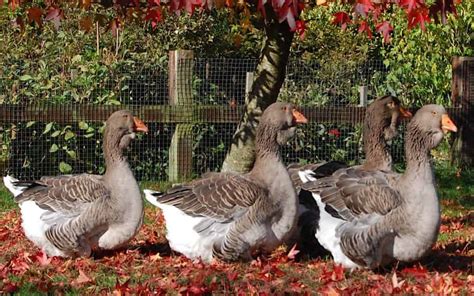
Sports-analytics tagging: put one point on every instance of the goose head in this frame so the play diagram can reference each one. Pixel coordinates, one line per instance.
(284, 117)
(431, 122)
(389, 109)
(124, 126)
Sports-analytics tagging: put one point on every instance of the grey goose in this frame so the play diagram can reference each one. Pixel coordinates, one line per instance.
(369, 218)
(228, 215)
(380, 126)
(70, 215)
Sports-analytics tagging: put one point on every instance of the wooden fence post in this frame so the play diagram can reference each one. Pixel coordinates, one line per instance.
(363, 90)
(462, 94)
(181, 64)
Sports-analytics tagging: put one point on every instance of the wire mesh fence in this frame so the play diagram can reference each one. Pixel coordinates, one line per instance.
(64, 135)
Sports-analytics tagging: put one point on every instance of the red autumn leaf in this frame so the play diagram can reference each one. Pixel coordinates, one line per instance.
(341, 19)
(152, 3)
(18, 21)
(34, 15)
(416, 271)
(456, 225)
(419, 16)
(10, 288)
(43, 259)
(364, 27)
(301, 28)
(362, 7)
(336, 274)
(85, 24)
(231, 276)
(86, 4)
(395, 283)
(292, 253)
(114, 25)
(410, 5)
(444, 228)
(188, 5)
(19, 266)
(54, 15)
(121, 289)
(335, 132)
(385, 29)
(154, 16)
(81, 279)
(14, 4)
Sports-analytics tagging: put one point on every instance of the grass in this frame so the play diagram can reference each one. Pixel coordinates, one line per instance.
(6, 199)
(147, 265)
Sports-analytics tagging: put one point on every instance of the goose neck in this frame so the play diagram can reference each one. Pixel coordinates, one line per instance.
(418, 159)
(375, 147)
(266, 145)
(113, 154)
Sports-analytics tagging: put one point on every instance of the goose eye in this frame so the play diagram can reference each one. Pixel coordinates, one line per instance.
(390, 104)
(434, 112)
(284, 108)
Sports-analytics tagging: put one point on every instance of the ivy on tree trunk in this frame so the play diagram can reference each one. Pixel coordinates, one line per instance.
(269, 77)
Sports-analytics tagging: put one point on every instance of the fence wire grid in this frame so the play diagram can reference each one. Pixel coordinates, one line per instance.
(61, 131)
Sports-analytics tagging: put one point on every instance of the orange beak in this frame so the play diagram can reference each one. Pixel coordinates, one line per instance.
(139, 125)
(299, 117)
(447, 124)
(405, 113)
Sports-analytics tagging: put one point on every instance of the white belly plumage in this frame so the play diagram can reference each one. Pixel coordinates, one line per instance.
(328, 237)
(35, 228)
(181, 234)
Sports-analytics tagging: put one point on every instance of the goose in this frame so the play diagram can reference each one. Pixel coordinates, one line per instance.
(380, 127)
(370, 218)
(226, 216)
(70, 215)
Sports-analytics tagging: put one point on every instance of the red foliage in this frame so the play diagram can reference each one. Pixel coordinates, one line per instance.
(418, 16)
(364, 27)
(363, 7)
(334, 132)
(35, 15)
(417, 12)
(147, 267)
(385, 29)
(154, 16)
(342, 19)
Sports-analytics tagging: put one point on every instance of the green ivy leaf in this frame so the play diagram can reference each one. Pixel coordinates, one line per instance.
(69, 135)
(55, 134)
(47, 128)
(30, 123)
(83, 125)
(53, 148)
(71, 153)
(64, 167)
(88, 136)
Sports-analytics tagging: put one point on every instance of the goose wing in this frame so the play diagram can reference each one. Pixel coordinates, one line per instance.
(354, 193)
(66, 194)
(300, 174)
(220, 197)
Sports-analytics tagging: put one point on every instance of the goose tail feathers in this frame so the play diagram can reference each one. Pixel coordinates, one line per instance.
(152, 197)
(15, 186)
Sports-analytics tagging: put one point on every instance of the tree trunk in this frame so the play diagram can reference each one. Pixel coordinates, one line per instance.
(269, 77)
